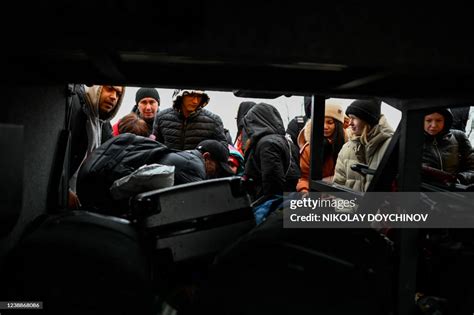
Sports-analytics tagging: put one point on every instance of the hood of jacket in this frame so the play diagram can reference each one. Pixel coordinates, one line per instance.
(448, 121)
(94, 123)
(244, 108)
(261, 120)
(92, 100)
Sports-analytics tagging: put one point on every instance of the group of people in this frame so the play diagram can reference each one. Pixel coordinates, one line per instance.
(447, 157)
(270, 159)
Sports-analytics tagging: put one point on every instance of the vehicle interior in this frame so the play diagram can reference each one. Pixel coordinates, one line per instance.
(412, 59)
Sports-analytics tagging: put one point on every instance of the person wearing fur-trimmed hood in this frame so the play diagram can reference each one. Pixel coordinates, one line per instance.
(187, 123)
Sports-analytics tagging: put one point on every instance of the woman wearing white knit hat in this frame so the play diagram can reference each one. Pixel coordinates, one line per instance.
(334, 138)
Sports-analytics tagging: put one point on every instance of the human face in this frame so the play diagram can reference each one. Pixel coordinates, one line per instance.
(190, 103)
(329, 127)
(357, 125)
(108, 100)
(148, 107)
(211, 165)
(434, 124)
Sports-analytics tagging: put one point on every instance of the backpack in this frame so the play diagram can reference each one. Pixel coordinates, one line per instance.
(116, 158)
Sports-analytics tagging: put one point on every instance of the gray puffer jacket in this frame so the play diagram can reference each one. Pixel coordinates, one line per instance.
(177, 132)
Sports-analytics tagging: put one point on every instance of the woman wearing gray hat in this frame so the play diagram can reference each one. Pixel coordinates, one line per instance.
(371, 135)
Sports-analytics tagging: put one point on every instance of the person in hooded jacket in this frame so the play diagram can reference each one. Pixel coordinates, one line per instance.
(92, 108)
(241, 137)
(334, 138)
(370, 137)
(446, 149)
(271, 158)
(187, 123)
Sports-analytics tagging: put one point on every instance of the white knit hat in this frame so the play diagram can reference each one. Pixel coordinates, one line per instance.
(334, 111)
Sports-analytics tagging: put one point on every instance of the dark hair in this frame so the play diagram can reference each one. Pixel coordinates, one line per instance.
(133, 124)
(179, 101)
(338, 140)
(243, 109)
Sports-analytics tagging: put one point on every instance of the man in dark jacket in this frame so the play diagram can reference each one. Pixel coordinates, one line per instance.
(187, 123)
(122, 155)
(271, 159)
(92, 108)
(297, 124)
(208, 160)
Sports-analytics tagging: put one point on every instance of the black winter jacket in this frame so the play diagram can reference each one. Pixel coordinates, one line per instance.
(189, 166)
(271, 159)
(121, 156)
(176, 132)
(79, 140)
(450, 152)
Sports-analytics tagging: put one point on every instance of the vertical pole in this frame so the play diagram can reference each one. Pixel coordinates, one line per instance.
(411, 142)
(317, 137)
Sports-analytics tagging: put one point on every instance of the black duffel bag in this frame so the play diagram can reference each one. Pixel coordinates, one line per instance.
(116, 158)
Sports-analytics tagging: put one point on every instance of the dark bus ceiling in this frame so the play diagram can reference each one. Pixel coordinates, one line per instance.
(334, 49)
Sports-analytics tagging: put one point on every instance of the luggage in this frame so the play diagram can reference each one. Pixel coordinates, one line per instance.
(195, 219)
(114, 159)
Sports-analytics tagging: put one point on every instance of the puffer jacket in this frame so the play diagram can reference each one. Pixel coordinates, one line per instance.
(369, 152)
(305, 159)
(271, 159)
(121, 156)
(450, 151)
(189, 166)
(176, 132)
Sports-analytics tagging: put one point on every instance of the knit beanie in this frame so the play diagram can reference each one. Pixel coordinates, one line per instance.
(147, 92)
(367, 110)
(334, 111)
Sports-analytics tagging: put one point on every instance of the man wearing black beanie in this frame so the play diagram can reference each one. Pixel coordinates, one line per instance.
(371, 135)
(147, 104)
